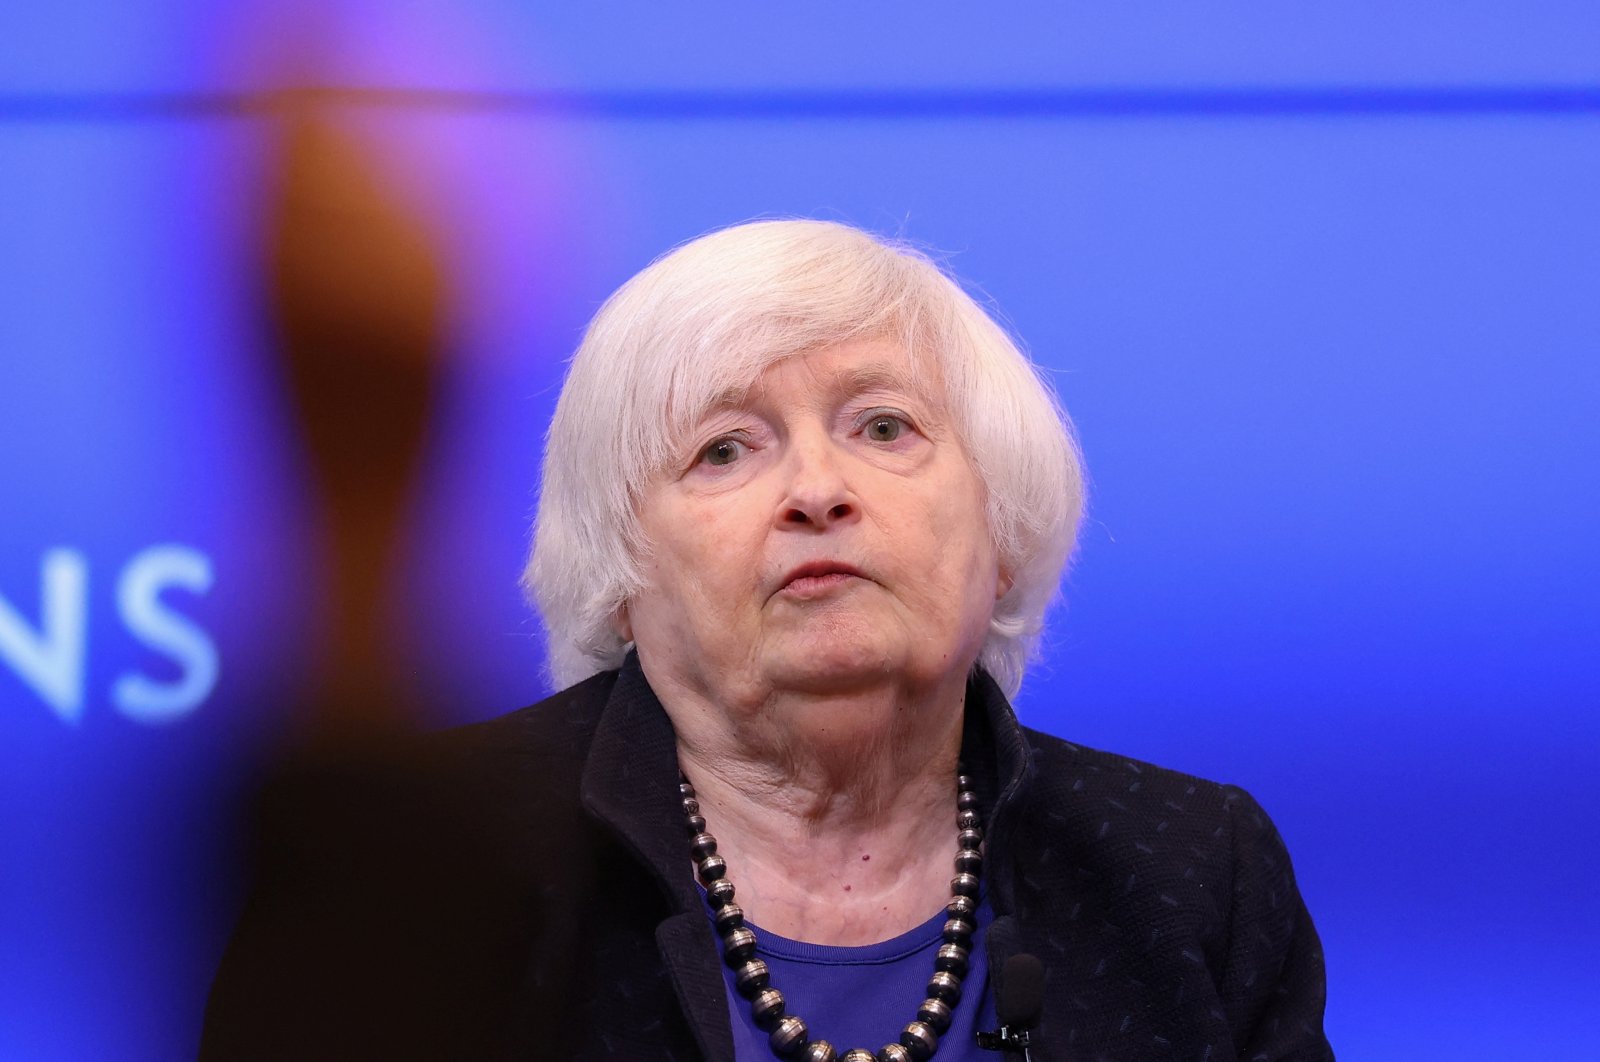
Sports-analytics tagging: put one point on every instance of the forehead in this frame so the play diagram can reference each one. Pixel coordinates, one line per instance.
(842, 370)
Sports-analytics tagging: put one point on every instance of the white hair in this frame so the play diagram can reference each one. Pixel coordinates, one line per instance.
(715, 313)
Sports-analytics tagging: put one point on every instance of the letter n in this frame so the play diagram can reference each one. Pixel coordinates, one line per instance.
(50, 659)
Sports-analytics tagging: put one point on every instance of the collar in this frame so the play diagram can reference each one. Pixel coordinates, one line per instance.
(630, 782)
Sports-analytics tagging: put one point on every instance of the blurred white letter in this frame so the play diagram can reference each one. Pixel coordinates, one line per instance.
(51, 660)
(138, 599)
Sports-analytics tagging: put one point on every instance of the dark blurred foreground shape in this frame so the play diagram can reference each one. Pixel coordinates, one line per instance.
(350, 830)
(357, 303)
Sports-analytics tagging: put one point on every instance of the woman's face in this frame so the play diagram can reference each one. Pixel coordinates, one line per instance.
(823, 533)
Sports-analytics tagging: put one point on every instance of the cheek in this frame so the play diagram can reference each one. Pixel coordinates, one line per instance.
(678, 572)
(944, 557)
(701, 552)
(968, 558)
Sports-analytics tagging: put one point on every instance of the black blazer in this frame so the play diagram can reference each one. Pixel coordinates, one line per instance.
(521, 889)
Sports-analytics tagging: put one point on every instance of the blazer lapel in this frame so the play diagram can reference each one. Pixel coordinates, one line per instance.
(630, 784)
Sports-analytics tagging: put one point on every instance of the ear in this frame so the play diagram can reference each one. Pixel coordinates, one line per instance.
(1003, 585)
(621, 624)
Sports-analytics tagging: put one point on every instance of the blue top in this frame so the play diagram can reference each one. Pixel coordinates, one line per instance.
(863, 997)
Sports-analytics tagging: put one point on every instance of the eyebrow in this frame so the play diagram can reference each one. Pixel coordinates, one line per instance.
(728, 398)
(852, 381)
(877, 378)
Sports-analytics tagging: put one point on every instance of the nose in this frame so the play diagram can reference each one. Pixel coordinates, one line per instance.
(819, 494)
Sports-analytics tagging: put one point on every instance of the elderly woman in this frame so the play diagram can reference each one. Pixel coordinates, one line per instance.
(804, 506)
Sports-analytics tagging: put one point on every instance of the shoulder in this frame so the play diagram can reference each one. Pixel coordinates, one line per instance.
(1120, 794)
(528, 762)
(1146, 840)
(557, 728)
(1165, 875)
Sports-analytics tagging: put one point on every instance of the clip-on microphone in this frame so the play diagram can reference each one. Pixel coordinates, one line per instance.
(1018, 1002)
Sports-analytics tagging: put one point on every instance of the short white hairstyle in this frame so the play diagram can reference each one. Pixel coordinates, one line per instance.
(713, 315)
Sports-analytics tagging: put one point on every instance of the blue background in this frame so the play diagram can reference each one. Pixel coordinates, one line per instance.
(1320, 286)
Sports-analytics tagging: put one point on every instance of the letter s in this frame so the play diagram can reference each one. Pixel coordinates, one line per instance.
(138, 599)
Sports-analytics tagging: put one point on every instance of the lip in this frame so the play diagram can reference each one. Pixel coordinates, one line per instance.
(815, 578)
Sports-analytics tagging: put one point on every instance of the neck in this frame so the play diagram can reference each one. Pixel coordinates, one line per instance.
(836, 814)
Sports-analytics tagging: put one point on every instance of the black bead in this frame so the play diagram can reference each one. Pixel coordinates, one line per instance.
(969, 820)
(893, 1053)
(729, 916)
(962, 907)
(920, 1040)
(697, 824)
(820, 1051)
(967, 800)
(970, 839)
(952, 958)
(935, 1014)
(958, 931)
(790, 1037)
(691, 806)
(767, 1008)
(969, 861)
(720, 892)
(751, 978)
(712, 868)
(703, 845)
(961, 884)
(945, 986)
(738, 946)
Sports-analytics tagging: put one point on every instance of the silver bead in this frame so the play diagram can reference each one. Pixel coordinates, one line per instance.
(691, 806)
(820, 1051)
(969, 861)
(972, 838)
(738, 945)
(712, 868)
(920, 1040)
(935, 1014)
(966, 800)
(729, 916)
(946, 986)
(697, 824)
(963, 781)
(962, 907)
(858, 1054)
(703, 845)
(720, 892)
(893, 1053)
(961, 884)
(767, 1007)
(958, 931)
(952, 958)
(751, 978)
(789, 1037)
(968, 820)
(686, 790)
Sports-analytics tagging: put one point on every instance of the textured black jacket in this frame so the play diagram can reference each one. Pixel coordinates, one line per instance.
(521, 889)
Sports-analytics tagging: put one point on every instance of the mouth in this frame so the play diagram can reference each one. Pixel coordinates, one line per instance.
(817, 578)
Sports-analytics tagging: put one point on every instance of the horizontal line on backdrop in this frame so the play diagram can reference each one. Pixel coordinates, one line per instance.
(691, 105)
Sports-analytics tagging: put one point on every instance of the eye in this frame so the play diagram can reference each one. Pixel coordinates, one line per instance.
(723, 451)
(884, 428)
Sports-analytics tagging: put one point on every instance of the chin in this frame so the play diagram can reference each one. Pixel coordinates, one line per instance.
(834, 664)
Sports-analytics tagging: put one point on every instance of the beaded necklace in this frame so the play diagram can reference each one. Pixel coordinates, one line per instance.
(789, 1035)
